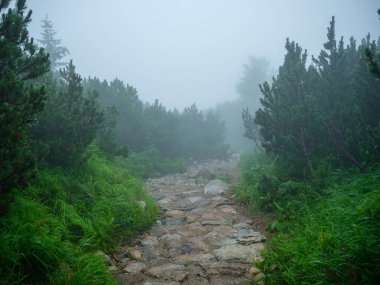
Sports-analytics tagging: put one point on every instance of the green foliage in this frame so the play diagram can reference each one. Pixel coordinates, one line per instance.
(142, 127)
(327, 113)
(337, 242)
(70, 121)
(20, 99)
(151, 163)
(56, 225)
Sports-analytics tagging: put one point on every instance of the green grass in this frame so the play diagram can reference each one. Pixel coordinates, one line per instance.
(336, 242)
(327, 230)
(57, 224)
(151, 163)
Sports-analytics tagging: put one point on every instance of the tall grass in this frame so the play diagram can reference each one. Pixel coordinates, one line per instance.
(327, 230)
(56, 225)
(336, 242)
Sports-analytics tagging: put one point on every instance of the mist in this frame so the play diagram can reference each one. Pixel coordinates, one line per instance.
(192, 51)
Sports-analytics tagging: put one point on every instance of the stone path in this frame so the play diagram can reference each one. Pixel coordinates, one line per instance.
(200, 239)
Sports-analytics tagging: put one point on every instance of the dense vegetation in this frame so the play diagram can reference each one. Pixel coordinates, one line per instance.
(73, 153)
(319, 126)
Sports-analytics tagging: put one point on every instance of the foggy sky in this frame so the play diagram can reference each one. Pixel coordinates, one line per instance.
(185, 51)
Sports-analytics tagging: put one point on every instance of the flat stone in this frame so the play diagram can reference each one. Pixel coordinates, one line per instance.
(168, 272)
(175, 222)
(222, 241)
(240, 253)
(170, 237)
(226, 222)
(151, 252)
(191, 218)
(175, 248)
(228, 209)
(215, 187)
(199, 201)
(175, 214)
(197, 229)
(226, 268)
(161, 283)
(197, 280)
(128, 279)
(200, 258)
(225, 230)
(134, 268)
(149, 241)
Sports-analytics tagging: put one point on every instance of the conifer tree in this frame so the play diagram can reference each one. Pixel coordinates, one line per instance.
(287, 114)
(21, 60)
(52, 45)
(70, 120)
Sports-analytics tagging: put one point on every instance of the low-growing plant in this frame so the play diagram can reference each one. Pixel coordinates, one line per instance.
(336, 239)
(55, 225)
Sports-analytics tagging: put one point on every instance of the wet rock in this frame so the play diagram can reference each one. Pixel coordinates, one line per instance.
(134, 254)
(161, 283)
(248, 236)
(226, 222)
(201, 258)
(215, 187)
(170, 237)
(134, 268)
(228, 209)
(149, 241)
(238, 252)
(175, 214)
(197, 229)
(128, 279)
(197, 280)
(226, 268)
(152, 252)
(168, 272)
(175, 222)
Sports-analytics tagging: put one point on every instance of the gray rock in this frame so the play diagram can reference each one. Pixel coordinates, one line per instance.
(134, 268)
(197, 280)
(170, 237)
(226, 222)
(200, 258)
(161, 283)
(174, 222)
(215, 187)
(226, 268)
(240, 253)
(168, 272)
(149, 241)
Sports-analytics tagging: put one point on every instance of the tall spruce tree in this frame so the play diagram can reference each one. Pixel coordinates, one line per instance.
(52, 45)
(21, 61)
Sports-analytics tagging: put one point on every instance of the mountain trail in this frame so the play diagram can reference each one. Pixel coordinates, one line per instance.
(201, 238)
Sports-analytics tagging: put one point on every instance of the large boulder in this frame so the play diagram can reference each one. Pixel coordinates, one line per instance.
(215, 187)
